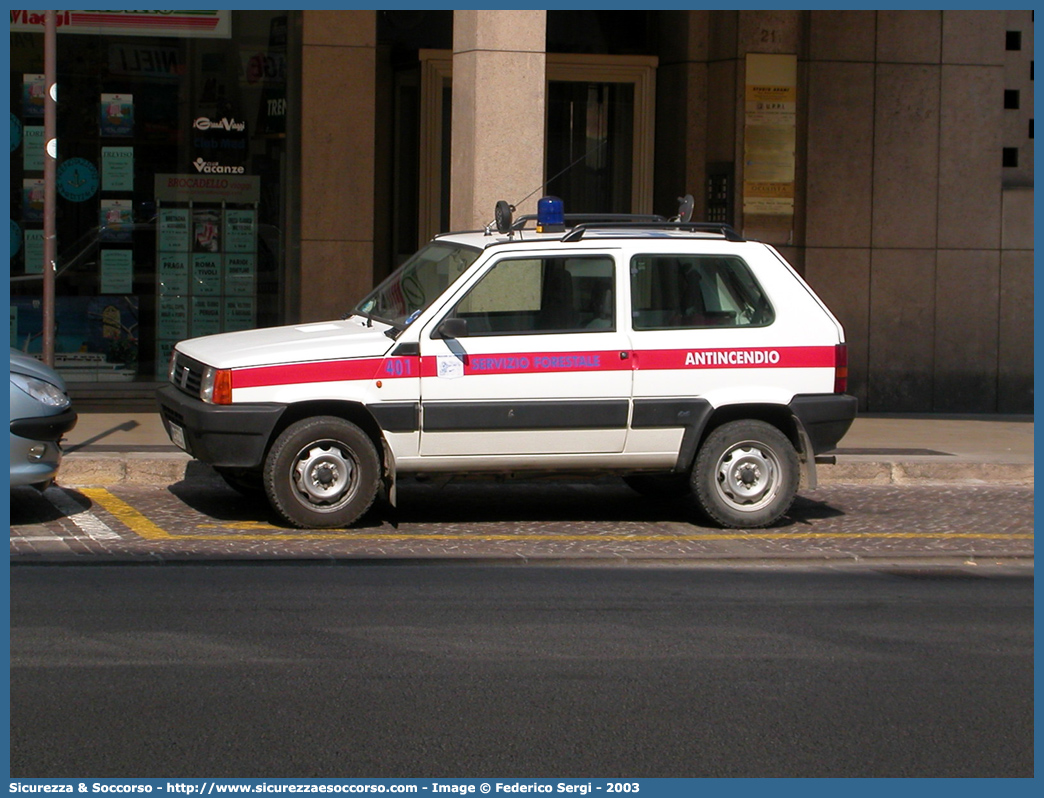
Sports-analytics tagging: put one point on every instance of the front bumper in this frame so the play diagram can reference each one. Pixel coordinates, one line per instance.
(234, 436)
(44, 428)
(35, 450)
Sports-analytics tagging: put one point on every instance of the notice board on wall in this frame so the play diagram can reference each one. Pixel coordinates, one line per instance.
(770, 136)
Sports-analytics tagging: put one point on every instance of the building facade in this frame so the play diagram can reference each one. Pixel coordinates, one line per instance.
(237, 169)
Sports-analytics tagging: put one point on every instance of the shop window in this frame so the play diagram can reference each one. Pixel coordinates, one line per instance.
(172, 182)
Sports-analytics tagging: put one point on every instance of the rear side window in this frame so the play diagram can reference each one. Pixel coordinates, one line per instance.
(695, 291)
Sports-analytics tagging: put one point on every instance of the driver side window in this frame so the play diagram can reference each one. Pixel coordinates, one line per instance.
(542, 295)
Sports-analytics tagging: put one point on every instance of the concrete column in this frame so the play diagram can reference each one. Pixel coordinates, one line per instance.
(498, 113)
(337, 164)
(969, 266)
(1015, 351)
(904, 210)
(681, 110)
(839, 175)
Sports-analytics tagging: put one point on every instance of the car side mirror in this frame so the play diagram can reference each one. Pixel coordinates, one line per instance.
(453, 328)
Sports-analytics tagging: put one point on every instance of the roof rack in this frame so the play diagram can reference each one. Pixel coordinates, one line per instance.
(576, 219)
(724, 230)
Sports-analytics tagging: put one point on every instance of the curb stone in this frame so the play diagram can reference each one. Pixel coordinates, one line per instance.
(163, 469)
(927, 473)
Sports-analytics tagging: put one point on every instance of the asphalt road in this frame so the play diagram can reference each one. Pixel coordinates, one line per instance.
(449, 670)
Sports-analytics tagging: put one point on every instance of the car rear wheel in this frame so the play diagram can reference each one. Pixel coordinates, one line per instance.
(322, 472)
(746, 474)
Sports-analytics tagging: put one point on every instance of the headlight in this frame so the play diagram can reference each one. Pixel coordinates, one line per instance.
(206, 385)
(216, 386)
(43, 392)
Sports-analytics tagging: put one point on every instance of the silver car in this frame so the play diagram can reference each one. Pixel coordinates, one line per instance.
(41, 414)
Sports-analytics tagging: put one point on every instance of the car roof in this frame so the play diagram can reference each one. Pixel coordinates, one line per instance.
(647, 231)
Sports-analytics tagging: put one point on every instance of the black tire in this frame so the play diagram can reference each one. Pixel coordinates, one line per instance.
(249, 482)
(746, 475)
(659, 486)
(322, 472)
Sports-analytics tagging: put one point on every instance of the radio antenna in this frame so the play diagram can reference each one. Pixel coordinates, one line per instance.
(506, 212)
(551, 179)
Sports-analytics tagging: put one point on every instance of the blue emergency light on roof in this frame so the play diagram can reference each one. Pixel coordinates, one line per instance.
(550, 217)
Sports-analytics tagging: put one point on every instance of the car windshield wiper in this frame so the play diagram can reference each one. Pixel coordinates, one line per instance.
(359, 312)
(393, 330)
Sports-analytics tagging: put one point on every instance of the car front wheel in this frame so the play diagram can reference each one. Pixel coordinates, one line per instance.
(322, 472)
(746, 474)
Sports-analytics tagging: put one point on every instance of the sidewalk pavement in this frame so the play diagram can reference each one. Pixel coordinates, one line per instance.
(106, 449)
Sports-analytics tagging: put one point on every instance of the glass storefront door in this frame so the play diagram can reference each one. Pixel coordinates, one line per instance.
(590, 145)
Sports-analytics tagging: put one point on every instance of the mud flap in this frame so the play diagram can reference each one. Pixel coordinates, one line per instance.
(807, 458)
(388, 479)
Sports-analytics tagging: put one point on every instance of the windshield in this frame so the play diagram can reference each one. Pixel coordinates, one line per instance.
(417, 283)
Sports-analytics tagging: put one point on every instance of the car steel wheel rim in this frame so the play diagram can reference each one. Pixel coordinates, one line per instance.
(324, 475)
(747, 476)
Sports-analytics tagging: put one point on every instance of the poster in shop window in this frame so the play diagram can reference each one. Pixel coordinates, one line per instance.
(117, 168)
(33, 153)
(173, 274)
(206, 230)
(117, 271)
(239, 313)
(77, 179)
(34, 250)
(206, 275)
(172, 319)
(207, 260)
(174, 230)
(32, 200)
(117, 115)
(240, 231)
(240, 274)
(172, 316)
(115, 218)
(206, 316)
(33, 90)
(96, 337)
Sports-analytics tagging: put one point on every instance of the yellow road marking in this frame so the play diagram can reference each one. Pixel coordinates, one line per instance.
(127, 515)
(143, 527)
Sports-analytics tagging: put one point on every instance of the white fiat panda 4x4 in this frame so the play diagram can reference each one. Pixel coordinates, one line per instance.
(677, 355)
